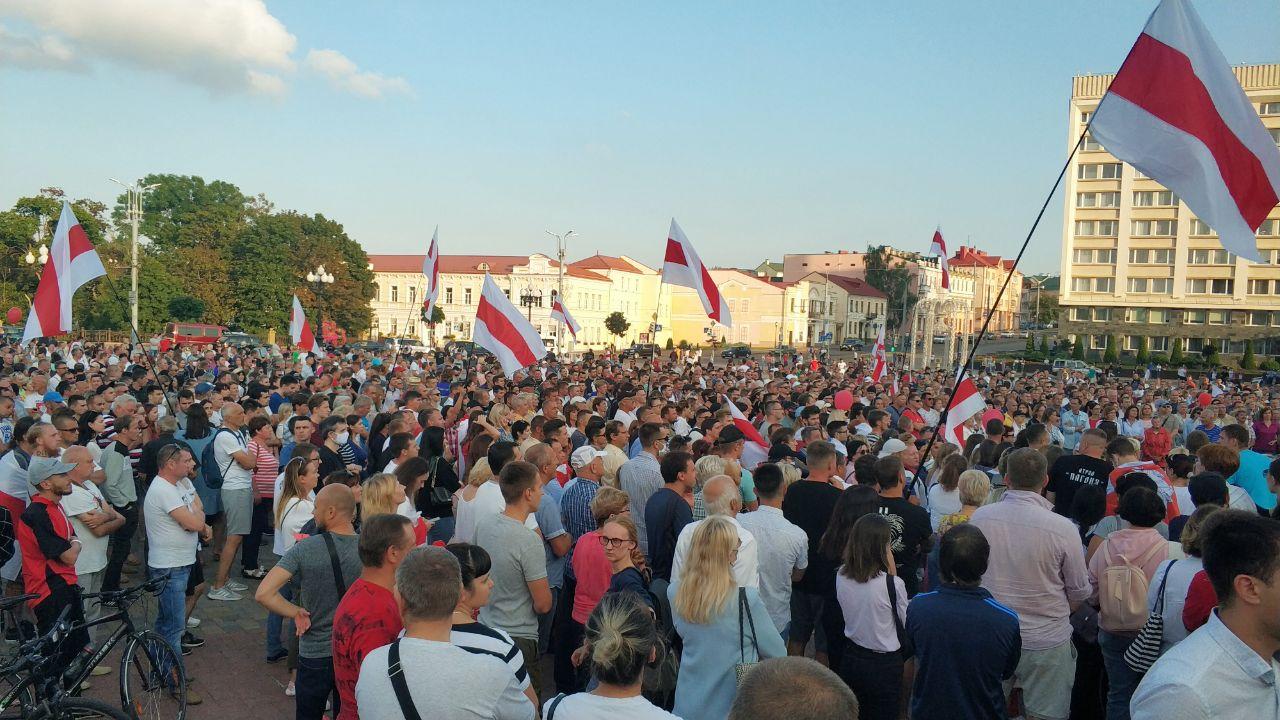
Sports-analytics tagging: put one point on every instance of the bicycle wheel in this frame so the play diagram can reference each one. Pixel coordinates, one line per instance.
(78, 709)
(17, 704)
(153, 684)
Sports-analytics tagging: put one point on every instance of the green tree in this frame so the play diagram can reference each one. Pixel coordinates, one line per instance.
(1248, 361)
(1044, 344)
(892, 277)
(1211, 356)
(1144, 356)
(617, 324)
(671, 344)
(1048, 308)
(1175, 352)
(104, 303)
(1031, 343)
(325, 242)
(1111, 354)
(182, 210)
(437, 315)
(1077, 350)
(261, 278)
(186, 308)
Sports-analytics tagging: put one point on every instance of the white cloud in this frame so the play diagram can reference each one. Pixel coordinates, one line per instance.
(344, 75)
(222, 45)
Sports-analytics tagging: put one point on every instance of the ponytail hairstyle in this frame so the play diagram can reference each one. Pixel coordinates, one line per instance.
(622, 635)
(473, 561)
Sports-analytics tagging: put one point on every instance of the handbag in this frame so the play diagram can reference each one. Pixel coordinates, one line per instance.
(740, 669)
(1145, 649)
(904, 642)
(439, 495)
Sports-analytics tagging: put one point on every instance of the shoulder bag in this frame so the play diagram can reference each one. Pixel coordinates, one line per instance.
(744, 609)
(1145, 648)
(904, 642)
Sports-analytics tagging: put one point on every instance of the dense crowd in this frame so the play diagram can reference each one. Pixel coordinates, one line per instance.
(600, 538)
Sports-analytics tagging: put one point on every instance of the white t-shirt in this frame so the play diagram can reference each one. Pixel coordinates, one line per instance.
(488, 501)
(168, 544)
(295, 516)
(93, 550)
(445, 681)
(585, 706)
(234, 477)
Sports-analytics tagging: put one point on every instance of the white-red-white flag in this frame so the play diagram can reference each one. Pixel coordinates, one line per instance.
(431, 269)
(939, 247)
(966, 403)
(558, 312)
(682, 267)
(72, 263)
(503, 331)
(1176, 111)
(879, 360)
(755, 450)
(300, 331)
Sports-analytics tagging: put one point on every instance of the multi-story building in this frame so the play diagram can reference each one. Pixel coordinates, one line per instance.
(988, 273)
(755, 304)
(1137, 263)
(636, 291)
(825, 308)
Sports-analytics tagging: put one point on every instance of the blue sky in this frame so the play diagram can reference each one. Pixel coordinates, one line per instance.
(763, 127)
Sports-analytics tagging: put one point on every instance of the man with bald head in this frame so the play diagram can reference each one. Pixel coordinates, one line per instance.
(230, 452)
(94, 520)
(312, 563)
(720, 496)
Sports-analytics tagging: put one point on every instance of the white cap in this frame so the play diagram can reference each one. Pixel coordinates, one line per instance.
(892, 446)
(583, 456)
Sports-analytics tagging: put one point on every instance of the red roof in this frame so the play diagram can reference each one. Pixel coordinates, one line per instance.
(973, 257)
(605, 262)
(469, 264)
(855, 286)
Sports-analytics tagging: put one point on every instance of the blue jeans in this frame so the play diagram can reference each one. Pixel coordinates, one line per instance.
(1122, 681)
(315, 685)
(275, 624)
(171, 617)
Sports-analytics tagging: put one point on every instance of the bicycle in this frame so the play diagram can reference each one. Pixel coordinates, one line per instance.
(36, 666)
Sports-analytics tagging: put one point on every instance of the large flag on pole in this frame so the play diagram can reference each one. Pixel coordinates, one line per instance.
(939, 247)
(300, 330)
(503, 331)
(559, 312)
(879, 360)
(431, 268)
(754, 450)
(1176, 111)
(967, 403)
(683, 267)
(72, 263)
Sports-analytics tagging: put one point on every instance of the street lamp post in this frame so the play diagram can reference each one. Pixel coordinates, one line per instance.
(560, 240)
(528, 296)
(319, 278)
(133, 208)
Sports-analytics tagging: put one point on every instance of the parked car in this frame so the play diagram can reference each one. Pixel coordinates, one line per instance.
(408, 345)
(465, 346)
(239, 339)
(736, 351)
(369, 346)
(1072, 365)
(638, 350)
(852, 344)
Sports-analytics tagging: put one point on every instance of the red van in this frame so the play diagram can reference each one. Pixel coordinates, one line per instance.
(192, 333)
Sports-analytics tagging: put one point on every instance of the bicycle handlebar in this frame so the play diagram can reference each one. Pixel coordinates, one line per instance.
(115, 597)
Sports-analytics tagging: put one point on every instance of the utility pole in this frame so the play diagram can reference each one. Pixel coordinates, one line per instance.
(133, 205)
(560, 287)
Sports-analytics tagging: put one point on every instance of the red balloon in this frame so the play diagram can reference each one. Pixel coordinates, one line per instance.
(14, 316)
(843, 400)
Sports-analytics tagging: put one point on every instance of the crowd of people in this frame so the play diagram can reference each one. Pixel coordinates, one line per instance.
(605, 538)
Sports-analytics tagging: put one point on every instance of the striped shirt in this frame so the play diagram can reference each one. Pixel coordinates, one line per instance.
(480, 639)
(264, 473)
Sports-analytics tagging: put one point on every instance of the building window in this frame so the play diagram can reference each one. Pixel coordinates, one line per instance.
(1086, 116)
(1094, 257)
(1097, 342)
(1154, 198)
(1210, 287)
(1090, 144)
(1259, 287)
(1217, 317)
(743, 306)
(1131, 342)
(413, 294)
(448, 296)
(1143, 256)
(1209, 257)
(1159, 343)
(1200, 228)
(466, 296)
(1259, 317)
(1139, 175)
(1097, 199)
(1195, 317)
(1161, 286)
(1269, 228)
(1102, 314)
(1081, 314)
(393, 325)
(733, 305)
(1270, 108)
(1155, 228)
(395, 296)
(1137, 315)
(1275, 134)
(1096, 228)
(1098, 171)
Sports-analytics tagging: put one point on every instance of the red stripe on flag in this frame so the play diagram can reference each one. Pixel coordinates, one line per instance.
(78, 242)
(1161, 80)
(675, 253)
(749, 431)
(47, 302)
(713, 294)
(503, 331)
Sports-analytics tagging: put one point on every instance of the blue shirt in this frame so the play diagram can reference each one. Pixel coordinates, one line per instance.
(1214, 431)
(1252, 477)
(966, 643)
(1211, 674)
(548, 517)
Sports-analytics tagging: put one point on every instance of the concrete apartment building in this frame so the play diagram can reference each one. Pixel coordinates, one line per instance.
(1137, 263)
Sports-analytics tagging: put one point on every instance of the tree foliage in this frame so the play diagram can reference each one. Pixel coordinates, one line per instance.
(1031, 342)
(892, 277)
(617, 324)
(437, 315)
(1077, 350)
(1044, 344)
(1112, 353)
(1175, 351)
(1144, 355)
(184, 308)
(1248, 361)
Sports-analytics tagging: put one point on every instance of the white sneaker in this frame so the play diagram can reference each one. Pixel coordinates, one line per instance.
(236, 586)
(223, 593)
(290, 690)
(193, 622)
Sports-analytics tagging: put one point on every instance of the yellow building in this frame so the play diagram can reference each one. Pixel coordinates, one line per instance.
(755, 304)
(634, 292)
(1136, 263)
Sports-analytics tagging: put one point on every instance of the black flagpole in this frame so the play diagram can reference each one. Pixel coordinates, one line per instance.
(973, 350)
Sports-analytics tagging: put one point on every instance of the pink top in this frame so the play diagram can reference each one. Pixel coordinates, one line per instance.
(592, 571)
(1037, 565)
(1132, 543)
(264, 475)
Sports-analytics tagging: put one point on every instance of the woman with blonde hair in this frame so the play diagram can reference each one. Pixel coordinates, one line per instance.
(708, 608)
(382, 493)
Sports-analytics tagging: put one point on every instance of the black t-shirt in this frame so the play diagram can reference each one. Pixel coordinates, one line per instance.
(665, 515)
(1072, 472)
(808, 505)
(911, 532)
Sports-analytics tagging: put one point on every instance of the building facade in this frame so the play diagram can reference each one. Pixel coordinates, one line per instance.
(988, 273)
(754, 304)
(1137, 263)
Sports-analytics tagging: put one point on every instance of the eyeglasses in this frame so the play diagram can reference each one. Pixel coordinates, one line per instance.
(613, 542)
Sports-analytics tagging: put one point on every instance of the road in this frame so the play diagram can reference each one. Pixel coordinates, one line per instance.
(989, 346)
